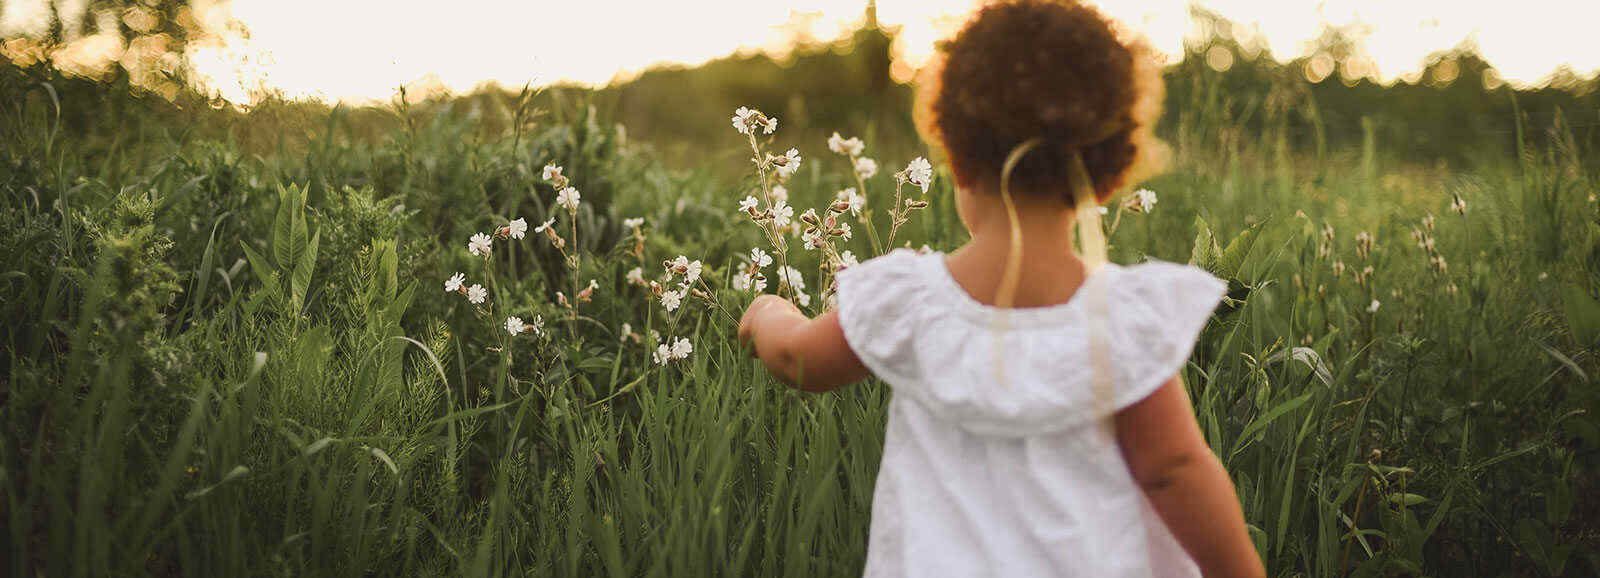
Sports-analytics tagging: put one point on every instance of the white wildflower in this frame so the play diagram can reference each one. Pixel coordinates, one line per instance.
(1373, 308)
(453, 284)
(1143, 200)
(537, 327)
(848, 259)
(636, 276)
(779, 193)
(855, 201)
(919, 173)
(626, 331)
(782, 214)
(845, 146)
(545, 226)
(518, 228)
(866, 168)
(748, 204)
(479, 245)
(662, 355)
(568, 199)
(842, 231)
(747, 120)
(679, 265)
(552, 172)
(813, 238)
(787, 164)
(476, 294)
(742, 120)
(633, 223)
(682, 348)
(802, 298)
(759, 258)
(693, 274)
(791, 277)
(672, 299)
(514, 325)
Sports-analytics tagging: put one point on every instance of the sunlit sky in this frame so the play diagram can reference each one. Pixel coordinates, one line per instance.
(360, 50)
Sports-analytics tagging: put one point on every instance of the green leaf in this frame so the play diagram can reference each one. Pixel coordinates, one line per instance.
(235, 473)
(301, 280)
(1583, 315)
(1205, 252)
(259, 267)
(1407, 499)
(1266, 419)
(298, 235)
(1238, 249)
(282, 228)
(317, 446)
(1539, 544)
(384, 457)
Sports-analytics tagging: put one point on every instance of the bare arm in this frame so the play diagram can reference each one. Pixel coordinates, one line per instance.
(808, 354)
(1186, 483)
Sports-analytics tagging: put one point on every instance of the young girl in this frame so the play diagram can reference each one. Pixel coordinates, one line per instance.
(1038, 426)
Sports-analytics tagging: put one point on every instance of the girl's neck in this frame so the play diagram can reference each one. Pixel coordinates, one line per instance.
(1050, 270)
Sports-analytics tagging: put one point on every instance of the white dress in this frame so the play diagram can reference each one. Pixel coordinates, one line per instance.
(1024, 477)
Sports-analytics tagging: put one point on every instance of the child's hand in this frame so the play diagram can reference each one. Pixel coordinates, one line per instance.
(758, 308)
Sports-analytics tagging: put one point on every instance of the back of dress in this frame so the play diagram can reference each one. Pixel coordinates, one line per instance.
(999, 459)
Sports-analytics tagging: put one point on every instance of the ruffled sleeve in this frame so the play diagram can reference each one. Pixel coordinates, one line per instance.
(1159, 310)
(879, 304)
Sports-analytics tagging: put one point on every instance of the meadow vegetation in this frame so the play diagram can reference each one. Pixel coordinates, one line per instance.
(224, 347)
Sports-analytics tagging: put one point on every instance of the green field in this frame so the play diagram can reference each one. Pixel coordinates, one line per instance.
(225, 350)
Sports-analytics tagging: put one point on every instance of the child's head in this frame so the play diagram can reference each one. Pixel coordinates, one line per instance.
(1047, 69)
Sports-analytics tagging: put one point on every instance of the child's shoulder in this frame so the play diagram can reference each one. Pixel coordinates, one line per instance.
(898, 262)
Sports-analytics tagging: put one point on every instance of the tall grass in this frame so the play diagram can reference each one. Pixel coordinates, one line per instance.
(228, 364)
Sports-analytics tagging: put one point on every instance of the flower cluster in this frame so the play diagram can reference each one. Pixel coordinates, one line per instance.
(690, 270)
(850, 147)
(678, 350)
(751, 278)
(819, 229)
(515, 325)
(1325, 247)
(1423, 237)
(748, 120)
(474, 293)
(1364, 244)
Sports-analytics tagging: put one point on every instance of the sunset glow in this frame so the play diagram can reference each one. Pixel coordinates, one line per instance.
(361, 50)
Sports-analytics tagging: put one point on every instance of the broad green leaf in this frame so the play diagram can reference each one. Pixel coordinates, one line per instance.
(298, 234)
(261, 269)
(1205, 252)
(282, 229)
(301, 281)
(1238, 250)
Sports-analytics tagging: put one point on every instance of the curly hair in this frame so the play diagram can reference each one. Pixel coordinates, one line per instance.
(1048, 69)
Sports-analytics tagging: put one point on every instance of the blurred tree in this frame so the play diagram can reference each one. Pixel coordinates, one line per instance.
(145, 40)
